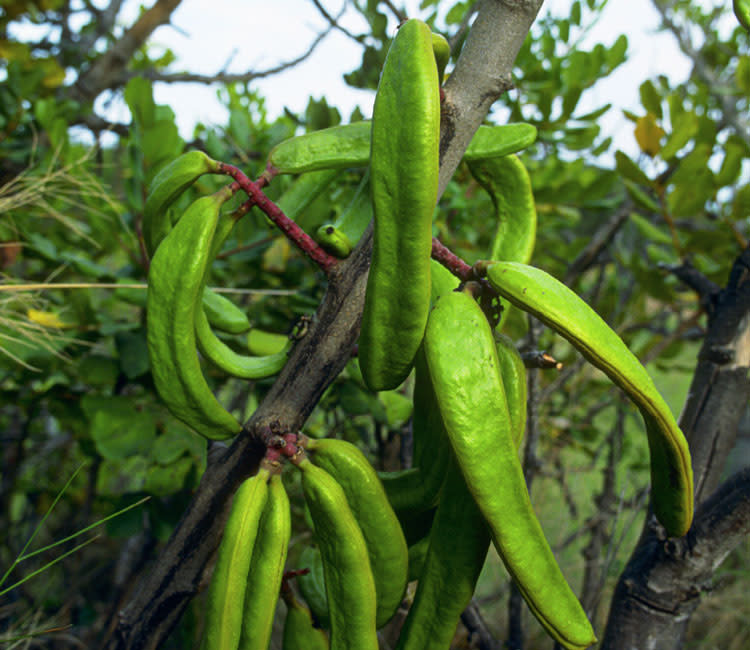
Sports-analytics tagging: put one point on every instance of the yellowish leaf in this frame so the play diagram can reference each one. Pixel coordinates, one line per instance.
(46, 319)
(648, 134)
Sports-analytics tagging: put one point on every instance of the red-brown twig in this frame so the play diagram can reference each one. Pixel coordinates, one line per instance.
(293, 232)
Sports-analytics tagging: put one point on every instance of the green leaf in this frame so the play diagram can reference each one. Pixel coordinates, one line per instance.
(133, 353)
(682, 131)
(117, 428)
(734, 152)
(628, 169)
(140, 100)
(692, 184)
(651, 99)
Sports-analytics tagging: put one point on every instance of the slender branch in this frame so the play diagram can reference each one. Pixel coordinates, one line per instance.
(295, 234)
(231, 78)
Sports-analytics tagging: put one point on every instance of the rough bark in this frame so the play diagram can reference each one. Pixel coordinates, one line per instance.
(166, 587)
(662, 582)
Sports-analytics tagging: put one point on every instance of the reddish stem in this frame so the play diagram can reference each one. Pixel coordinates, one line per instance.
(300, 238)
(451, 261)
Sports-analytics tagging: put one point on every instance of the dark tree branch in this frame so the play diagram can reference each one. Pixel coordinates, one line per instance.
(598, 242)
(477, 628)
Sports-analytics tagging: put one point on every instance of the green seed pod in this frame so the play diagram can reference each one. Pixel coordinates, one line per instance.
(509, 186)
(166, 187)
(337, 147)
(386, 546)
(498, 141)
(462, 359)
(442, 51)
(175, 286)
(540, 294)
(404, 178)
(266, 568)
(223, 314)
(299, 631)
(349, 581)
(457, 547)
(226, 593)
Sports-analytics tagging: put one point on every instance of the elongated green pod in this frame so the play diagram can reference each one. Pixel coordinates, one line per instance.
(540, 294)
(462, 359)
(165, 188)
(299, 631)
(223, 314)
(499, 140)
(386, 546)
(348, 145)
(175, 285)
(218, 352)
(337, 147)
(261, 342)
(349, 581)
(313, 585)
(226, 593)
(442, 51)
(509, 186)
(513, 372)
(457, 547)
(403, 177)
(340, 237)
(266, 568)
(442, 281)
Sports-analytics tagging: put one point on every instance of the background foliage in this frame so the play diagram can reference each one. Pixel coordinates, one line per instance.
(77, 398)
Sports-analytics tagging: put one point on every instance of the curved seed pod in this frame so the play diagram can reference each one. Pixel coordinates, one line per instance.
(175, 285)
(462, 359)
(349, 582)
(337, 147)
(442, 51)
(386, 546)
(260, 342)
(266, 568)
(513, 372)
(509, 186)
(313, 585)
(166, 187)
(226, 593)
(403, 177)
(558, 307)
(218, 352)
(500, 140)
(223, 314)
(299, 631)
(348, 145)
(340, 237)
(231, 362)
(457, 547)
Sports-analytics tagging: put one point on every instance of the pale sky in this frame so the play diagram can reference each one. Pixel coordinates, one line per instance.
(207, 33)
(212, 35)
